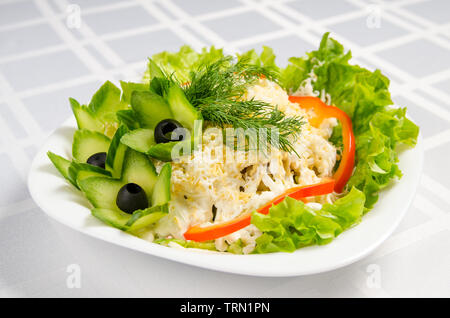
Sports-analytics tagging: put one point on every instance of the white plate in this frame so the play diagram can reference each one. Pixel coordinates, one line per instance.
(67, 205)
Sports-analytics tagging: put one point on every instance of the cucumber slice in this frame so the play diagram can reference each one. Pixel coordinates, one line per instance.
(106, 102)
(85, 118)
(129, 87)
(86, 143)
(163, 151)
(121, 220)
(150, 108)
(139, 139)
(146, 220)
(127, 118)
(137, 168)
(181, 108)
(62, 165)
(81, 171)
(143, 218)
(101, 191)
(115, 218)
(116, 153)
(100, 114)
(159, 85)
(161, 191)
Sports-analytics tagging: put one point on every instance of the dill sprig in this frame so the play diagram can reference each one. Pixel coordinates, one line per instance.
(223, 80)
(215, 89)
(254, 114)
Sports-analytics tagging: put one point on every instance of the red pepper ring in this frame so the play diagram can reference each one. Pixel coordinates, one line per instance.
(212, 232)
(323, 111)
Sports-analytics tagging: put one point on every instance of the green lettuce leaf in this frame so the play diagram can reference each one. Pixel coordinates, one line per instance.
(291, 224)
(266, 58)
(182, 62)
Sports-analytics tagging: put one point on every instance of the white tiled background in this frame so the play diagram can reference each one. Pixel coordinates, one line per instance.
(43, 62)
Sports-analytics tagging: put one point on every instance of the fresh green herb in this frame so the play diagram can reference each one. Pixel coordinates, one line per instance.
(254, 114)
(216, 89)
(224, 80)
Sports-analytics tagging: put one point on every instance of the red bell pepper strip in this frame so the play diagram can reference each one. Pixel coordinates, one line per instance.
(321, 112)
(212, 232)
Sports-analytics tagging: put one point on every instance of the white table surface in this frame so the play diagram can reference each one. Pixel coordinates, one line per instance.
(45, 58)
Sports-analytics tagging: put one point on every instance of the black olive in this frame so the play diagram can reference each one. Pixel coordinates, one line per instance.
(98, 160)
(131, 197)
(214, 212)
(169, 130)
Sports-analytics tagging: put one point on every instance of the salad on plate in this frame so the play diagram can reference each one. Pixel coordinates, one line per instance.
(236, 154)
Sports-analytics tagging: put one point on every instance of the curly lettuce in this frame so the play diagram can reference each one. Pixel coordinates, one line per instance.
(291, 224)
(184, 61)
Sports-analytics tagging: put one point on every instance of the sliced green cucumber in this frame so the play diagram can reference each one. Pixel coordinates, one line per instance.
(121, 220)
(137, 168)
(146, 220)
(128, 118)
(87, 143)
(143, 218)
(116, 153)
(100, 114)
(160, 86)
(81, 171)
(164, 151)
(85, 118)
(106, 102)
(115, 218)
(150, 108)
(101, 191)
(161, 191)
(139, 139)
(129, 87)
(62, 165)
(181, 108)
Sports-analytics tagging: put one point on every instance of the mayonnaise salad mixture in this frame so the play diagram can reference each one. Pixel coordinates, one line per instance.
(207, 189)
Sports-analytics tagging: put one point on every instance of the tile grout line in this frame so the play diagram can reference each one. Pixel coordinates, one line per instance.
(97, 43)
(437, 140)
(16, 155)
(87, 11)
(428, 208)
(410, 237)
(178, 30)
(84, 56)
(436, 187)
(198, 27)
